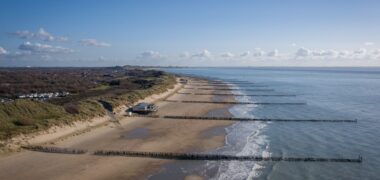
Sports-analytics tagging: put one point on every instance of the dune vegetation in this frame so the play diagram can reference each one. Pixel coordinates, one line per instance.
(24, 116)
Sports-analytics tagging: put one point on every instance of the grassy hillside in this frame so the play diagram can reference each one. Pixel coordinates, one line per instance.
(27, 116)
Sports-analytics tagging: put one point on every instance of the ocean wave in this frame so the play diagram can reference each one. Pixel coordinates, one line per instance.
(243, 139)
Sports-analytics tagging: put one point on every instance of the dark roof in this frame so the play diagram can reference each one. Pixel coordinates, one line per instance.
(141, 105)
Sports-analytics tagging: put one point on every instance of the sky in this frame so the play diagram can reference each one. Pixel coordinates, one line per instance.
(190, 33)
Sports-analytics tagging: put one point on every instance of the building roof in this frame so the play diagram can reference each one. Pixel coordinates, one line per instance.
(142, 105)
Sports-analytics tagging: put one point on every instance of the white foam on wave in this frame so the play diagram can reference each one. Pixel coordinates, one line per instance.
(254, 144)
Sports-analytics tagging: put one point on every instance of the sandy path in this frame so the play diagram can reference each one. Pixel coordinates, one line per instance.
(155, 135)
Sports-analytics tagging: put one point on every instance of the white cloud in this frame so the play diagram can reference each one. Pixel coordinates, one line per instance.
(303, 52)
(360, 51)
(273, 53)
(227, 55)
(150, 55)
(93, 42)
(3, 51)
(41, 34)
(358, 54)
(369, 43)
(258, 52)
(203, 54)
(293, 44)
(38, 48)
(344, 53)
(184, 55)
(245, 54)
(328, 53)
(376, 53)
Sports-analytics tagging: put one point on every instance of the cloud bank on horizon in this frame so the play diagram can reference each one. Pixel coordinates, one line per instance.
(294, 34)
(201, 58)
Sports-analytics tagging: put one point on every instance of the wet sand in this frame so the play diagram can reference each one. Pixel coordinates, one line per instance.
(133, 133)
(194, 170)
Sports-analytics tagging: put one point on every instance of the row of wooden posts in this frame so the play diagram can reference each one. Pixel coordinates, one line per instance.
(225, 85)
(221, 157)
(248, 119)
(231, 102)
(225, 94)
(189, 156)
(229, 89)
(55, 149)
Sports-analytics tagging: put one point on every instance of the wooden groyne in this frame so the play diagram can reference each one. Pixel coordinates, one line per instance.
(224, 94)
(220, 157)
(55, 150)
(228, 89)
(190, 156)
(228, 80)
(225, 85)
(218, 118)
(234, 82)
(183, 93)
(228, 102)
(258, 119)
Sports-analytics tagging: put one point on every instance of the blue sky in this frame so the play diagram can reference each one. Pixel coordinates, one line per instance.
(195, 33)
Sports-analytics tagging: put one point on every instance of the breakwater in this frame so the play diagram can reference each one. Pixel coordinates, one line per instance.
(220, 157)
(228, 102)
(260, 119)
(228, 89)
(55, 150)
(189, 156)
(226, 85)
(225, 94)
(249, 119)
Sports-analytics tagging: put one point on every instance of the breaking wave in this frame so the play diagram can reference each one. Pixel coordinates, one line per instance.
(243, 139)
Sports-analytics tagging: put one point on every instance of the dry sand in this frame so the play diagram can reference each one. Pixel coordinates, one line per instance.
(133, 133)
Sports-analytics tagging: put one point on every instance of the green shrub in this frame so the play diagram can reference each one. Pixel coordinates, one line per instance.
(24, 122)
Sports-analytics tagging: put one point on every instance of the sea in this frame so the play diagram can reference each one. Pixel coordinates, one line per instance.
(328, 93)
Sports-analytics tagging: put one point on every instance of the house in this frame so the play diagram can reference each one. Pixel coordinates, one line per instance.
(5, 100)
(144, 108)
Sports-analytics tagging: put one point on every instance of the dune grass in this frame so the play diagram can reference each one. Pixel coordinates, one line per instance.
(27, 116)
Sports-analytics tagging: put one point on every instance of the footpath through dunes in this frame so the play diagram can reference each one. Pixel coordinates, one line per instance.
(133, 134)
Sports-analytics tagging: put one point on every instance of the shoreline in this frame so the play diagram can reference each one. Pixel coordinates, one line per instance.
(216, 131)
(173, 168)
(163, 135)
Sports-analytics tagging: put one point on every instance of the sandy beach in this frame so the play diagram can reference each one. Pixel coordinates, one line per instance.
(133, 133)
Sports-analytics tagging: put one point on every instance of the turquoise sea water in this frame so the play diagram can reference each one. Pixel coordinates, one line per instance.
(330, 93)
